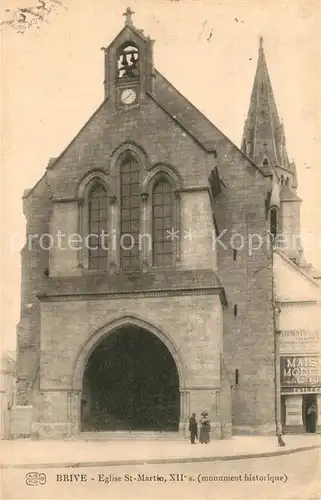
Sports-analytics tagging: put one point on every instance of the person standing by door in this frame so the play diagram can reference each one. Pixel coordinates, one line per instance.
(205, 428)
(193, 428)
(311, 418)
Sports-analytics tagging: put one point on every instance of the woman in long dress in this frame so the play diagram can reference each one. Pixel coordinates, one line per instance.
(205, 428)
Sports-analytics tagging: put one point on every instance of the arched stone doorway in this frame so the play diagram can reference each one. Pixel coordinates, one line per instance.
(131, 380)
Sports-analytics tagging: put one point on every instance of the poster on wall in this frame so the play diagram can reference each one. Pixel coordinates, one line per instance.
(299, 371)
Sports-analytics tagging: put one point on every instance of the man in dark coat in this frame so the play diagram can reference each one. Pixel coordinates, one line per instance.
(193, 427)
(311, 420)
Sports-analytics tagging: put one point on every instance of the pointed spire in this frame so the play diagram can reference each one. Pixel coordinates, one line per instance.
(263, 135)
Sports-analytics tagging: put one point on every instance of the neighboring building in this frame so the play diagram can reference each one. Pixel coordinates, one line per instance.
(7, 389)
(164, 322)
(297, 290)
(298, 300)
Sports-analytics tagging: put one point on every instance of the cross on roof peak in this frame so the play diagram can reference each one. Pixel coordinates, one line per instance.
(128, 16)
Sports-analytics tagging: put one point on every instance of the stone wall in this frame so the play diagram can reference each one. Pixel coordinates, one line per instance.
(7, 386)
(244, 263)
(71, 329)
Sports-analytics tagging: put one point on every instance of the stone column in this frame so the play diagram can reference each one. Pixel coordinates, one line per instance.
(184, 412)
(188, 404)
(69, 414)
(113, 243)
(146, 235)
(293, 413)
(216, 415)
(73, 412)
(178, 227)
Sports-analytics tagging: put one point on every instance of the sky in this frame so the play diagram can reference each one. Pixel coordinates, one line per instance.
(52, 81)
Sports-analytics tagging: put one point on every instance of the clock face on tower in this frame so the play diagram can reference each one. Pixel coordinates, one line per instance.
(128, 96)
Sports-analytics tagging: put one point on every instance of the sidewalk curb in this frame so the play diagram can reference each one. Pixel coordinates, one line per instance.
(156, 461)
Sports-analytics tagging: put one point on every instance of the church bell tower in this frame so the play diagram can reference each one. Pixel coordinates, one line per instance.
(264, 142)
(128, 67)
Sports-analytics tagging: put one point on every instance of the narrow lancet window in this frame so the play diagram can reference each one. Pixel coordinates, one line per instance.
(163, 220)
(129, 213)
(98, 227)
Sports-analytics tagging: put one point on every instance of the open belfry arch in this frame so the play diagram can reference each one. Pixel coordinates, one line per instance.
(154, 321)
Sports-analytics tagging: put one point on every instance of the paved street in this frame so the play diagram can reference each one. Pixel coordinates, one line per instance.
(293, 476)
(111, 451)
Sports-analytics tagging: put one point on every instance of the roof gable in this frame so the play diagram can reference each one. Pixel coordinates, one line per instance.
(184, 113)
(129, 32)
(292, 284)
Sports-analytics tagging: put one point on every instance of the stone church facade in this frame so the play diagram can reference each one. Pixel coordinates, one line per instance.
(168, 289)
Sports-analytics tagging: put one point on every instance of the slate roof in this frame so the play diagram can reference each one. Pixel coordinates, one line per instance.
(191, 118)
(300, 269)
(187, 114)
(287, 195)
(263, 130)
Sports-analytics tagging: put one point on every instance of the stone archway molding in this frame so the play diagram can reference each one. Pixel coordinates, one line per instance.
(114, 324)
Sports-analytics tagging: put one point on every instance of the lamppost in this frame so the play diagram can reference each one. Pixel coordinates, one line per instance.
(277, 374)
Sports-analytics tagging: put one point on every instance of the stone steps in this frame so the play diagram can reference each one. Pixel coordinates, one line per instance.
(129, 435)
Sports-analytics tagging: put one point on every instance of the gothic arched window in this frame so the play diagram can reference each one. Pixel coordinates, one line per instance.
(98, 227)
(163, 221)
(273, 222)
(128, 62)
(129, 213)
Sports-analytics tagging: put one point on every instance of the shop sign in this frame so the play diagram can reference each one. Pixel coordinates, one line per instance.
(300, 371)
(301, 390)
(300, 334)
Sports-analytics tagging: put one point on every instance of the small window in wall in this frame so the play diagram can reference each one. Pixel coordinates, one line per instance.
(235, 310)
(237, 377)
(98, 226)
(234, 254)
